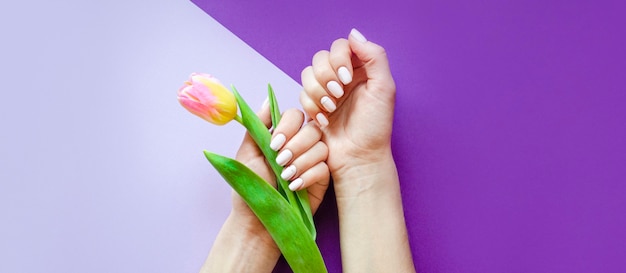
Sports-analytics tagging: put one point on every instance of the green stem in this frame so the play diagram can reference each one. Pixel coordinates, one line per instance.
(238, 119)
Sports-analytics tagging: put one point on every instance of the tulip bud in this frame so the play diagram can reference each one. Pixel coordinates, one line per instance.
(204, 96)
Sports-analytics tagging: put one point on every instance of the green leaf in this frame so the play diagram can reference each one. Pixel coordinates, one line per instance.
(274, 109)
(261, 135)
(275, 116)
(280, 219)
(305, 210)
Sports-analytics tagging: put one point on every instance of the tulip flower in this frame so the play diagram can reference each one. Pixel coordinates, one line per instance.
(205, 97)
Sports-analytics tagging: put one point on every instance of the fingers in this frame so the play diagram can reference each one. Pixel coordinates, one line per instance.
(308, 168)
(310, 97)
(371, 56)
(316, 180)
(349, 63)
(317, 154)
(340, 60)
(334, 69)
(323, 74)
(314, 175)
(300, 151)
(301, 142)
(324, 81)
(289, 125)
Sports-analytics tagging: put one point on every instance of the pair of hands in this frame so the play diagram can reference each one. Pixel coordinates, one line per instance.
(349, 98)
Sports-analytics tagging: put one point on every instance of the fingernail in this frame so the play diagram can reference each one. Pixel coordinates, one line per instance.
(284, 157)
(266, 103)
(328, 104)
(357, 35)
(277, 142)
(296, 184)
(321, 119)
(288, 172)
(344, 75)
(335, 89)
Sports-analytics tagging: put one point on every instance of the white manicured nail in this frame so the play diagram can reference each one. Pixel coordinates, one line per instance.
(344, 75)
(357, 35)
(335, 89)
(288, 172)
(277, 142)
(266, 103)
(321, 119)
(296, 184)
(284, 157)
(328, 104)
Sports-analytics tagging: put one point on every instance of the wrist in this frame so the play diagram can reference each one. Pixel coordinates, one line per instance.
(363, 176)
(371, 217)
(241, 247)
(252, 233)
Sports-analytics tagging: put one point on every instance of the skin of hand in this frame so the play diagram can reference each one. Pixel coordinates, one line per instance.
(243, 244)
(356, 122)
(350, 93)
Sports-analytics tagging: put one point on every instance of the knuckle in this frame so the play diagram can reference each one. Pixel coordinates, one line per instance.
(379, 50)
(306, 72)
(303, 96)
(291, 121)
(293, 113)
(320, 54)
(323, 72)
(340, 42)
(325, 168)
(324, 149)
(337, 60)
(307, 103)
(321, 170)
(315, 130)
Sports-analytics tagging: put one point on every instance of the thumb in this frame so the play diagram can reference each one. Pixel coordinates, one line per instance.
(370, 56)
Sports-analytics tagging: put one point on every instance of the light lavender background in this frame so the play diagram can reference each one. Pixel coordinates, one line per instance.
(100, 169)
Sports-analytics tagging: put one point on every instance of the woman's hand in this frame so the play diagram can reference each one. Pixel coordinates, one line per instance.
(299, 150)
(243, 244)
(350, 93)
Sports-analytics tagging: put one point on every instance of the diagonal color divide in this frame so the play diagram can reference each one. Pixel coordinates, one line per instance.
(509, 130)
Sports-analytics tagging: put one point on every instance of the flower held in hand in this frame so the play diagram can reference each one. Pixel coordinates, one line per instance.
(285, 214)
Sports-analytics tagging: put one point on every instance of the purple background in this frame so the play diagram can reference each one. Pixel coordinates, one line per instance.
(510, 126)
